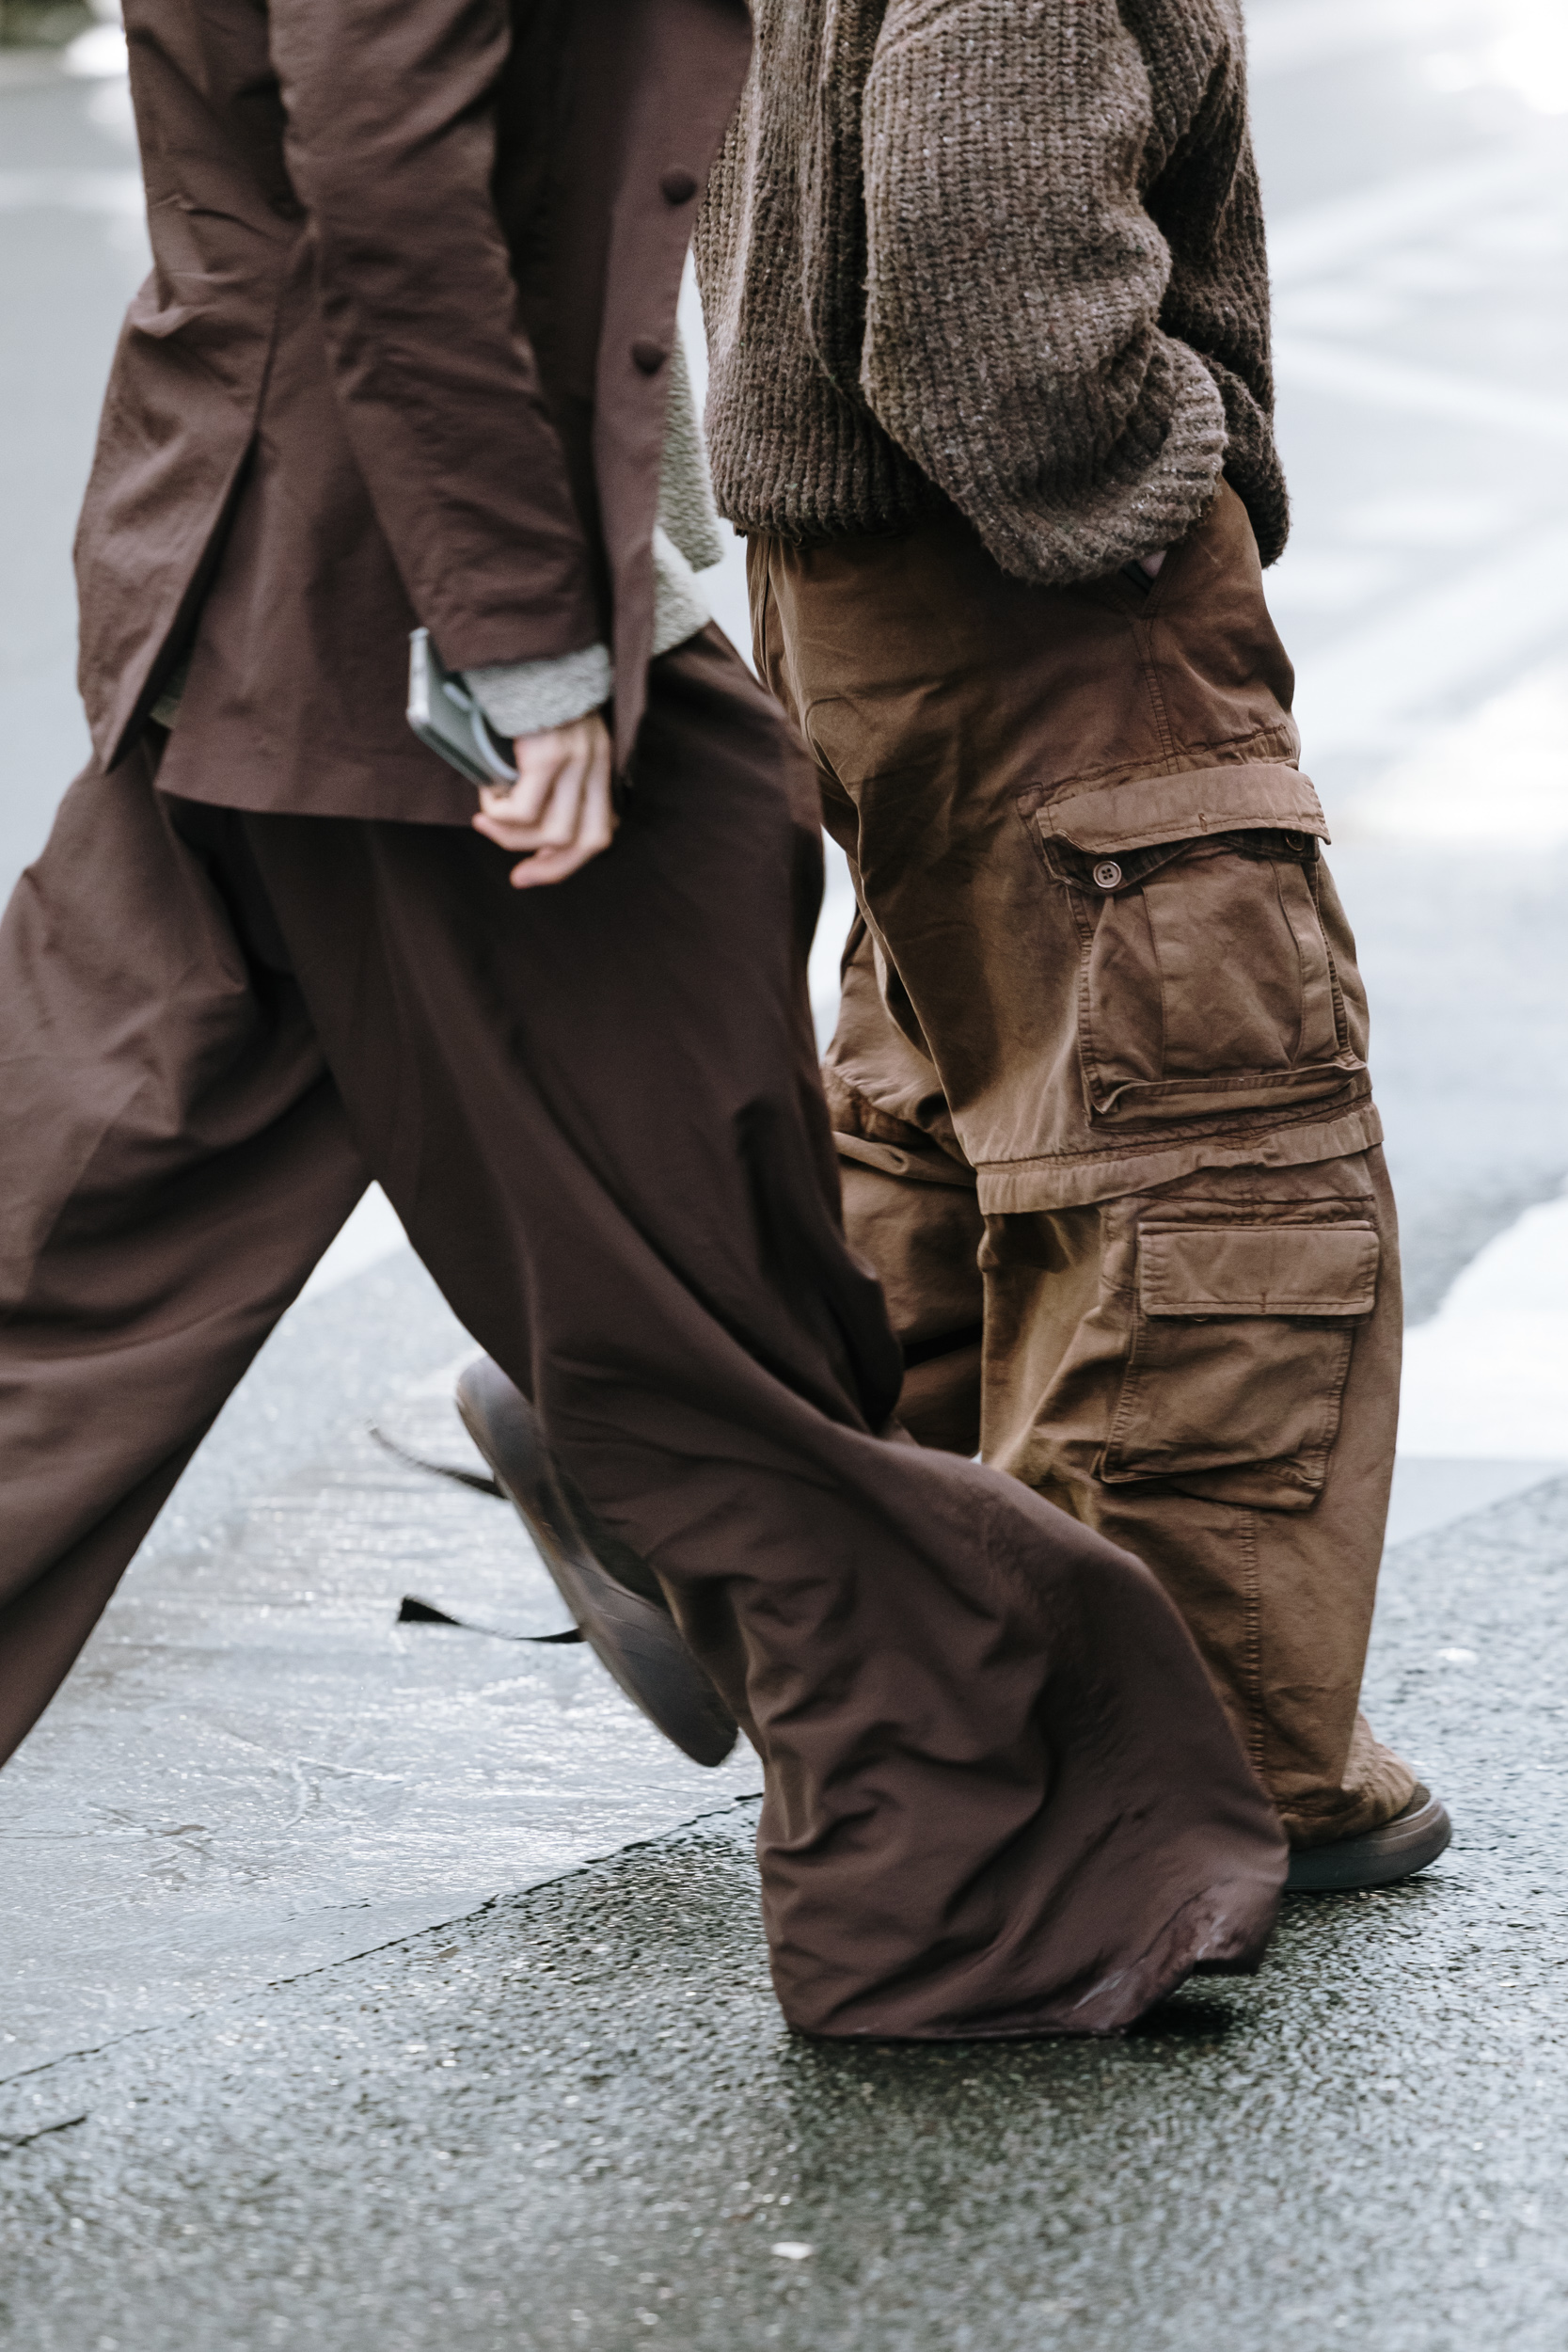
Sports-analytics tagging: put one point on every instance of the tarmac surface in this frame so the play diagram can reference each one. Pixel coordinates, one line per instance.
(572, 2121)
(375, 1984)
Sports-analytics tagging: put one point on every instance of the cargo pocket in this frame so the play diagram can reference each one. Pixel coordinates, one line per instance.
(1241, 1338)
(1207, 983)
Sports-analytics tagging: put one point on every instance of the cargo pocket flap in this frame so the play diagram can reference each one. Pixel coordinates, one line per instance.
(1246, 797)
(1197, 1270)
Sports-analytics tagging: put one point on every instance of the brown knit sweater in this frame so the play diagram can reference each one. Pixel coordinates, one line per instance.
(1011, 248)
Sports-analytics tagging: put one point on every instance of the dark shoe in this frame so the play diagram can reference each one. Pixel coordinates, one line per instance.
(1380, 1857)
(612, 1594)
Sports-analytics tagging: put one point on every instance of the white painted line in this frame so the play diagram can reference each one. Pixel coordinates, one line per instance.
(1483, 626)
(1429, 1494)
(1323, 238)
(98, 55)
(1288, 34)
(117, 192)
(1487, 1377)
(372, 1233)
(1372, 381)
(827, 952)
(1503, 767)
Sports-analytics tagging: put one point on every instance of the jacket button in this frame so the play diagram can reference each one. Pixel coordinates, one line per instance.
(650, 357)
(1108, 874)
(678, 187)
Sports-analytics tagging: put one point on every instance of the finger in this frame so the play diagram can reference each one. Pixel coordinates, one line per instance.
(505, 834)
(559, 828)
(552, 865)
(539, 763)
(556, 827)
(596, 826)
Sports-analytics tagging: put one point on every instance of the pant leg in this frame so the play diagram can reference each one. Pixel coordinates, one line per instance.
(1279, 1599)
(1248, 1462)
(999, 1795)
(173, 1160)
(923, 1236)
(937, 695)
(911, 1211)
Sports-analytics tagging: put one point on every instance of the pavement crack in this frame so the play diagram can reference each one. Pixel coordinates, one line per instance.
(10, 2142)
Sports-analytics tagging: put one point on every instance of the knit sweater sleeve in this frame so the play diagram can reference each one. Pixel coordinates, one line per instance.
(1013, 338)
(1203, 196)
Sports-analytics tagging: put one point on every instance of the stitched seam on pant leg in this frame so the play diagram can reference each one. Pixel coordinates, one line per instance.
(1253, 1643)
(1146, 661)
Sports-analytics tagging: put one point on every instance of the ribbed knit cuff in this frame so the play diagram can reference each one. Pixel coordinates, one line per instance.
(524, 697)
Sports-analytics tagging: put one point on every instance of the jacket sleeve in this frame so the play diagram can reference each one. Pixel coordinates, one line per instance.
(1013, 341)
(390, 146)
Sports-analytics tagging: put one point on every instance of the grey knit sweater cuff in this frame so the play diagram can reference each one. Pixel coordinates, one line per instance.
(523, 697)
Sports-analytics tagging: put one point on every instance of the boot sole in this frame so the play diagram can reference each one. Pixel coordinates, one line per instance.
(635, 1640)
(1381, 1858)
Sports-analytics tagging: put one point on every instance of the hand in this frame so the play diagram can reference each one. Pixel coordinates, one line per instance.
(559, 813)
(1152, 563)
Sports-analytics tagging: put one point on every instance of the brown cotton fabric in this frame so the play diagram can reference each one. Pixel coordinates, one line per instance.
(1000, 1798)
(1245, 1453)
(395, 363)
(1099, 1088)
(1003, 253)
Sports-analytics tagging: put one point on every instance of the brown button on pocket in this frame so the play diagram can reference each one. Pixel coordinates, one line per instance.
(1242, 1341)
(1207, 981)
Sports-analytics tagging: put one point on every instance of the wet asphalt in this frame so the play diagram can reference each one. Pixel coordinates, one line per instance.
(574, 2120)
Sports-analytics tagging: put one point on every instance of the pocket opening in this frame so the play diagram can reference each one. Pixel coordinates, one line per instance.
(1207, 982)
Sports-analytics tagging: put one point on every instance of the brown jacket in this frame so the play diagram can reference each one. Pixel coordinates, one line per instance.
(402, 356)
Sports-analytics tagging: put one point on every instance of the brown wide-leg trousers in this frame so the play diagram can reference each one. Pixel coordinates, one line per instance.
(1099, 1086)
(1001, 1797)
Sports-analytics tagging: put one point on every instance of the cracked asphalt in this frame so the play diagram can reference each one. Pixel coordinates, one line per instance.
(572, 2121)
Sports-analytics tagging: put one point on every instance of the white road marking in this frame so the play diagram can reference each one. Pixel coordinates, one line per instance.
(1472, 631)
(99, 54)
(1487, 1377)
(372, 1233)
(1518, 46)
(1283, 36)
(1373, 381)
(1323, 238)
(117, 192)
(1500, 772)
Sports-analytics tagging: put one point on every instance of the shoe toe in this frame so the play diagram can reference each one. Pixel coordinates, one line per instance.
(1380, 1857)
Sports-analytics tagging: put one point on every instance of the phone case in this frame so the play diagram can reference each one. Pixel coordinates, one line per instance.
(444, 714)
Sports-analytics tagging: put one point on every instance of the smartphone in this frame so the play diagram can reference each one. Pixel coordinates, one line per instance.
(444, 714)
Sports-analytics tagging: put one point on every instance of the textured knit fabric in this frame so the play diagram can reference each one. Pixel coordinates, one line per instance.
(520, 698)
(1009, 249)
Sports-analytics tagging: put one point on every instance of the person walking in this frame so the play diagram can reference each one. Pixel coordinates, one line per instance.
(987, 305)
(405, 360)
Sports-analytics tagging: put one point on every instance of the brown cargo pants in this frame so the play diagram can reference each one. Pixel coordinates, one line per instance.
(1099, 1087)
